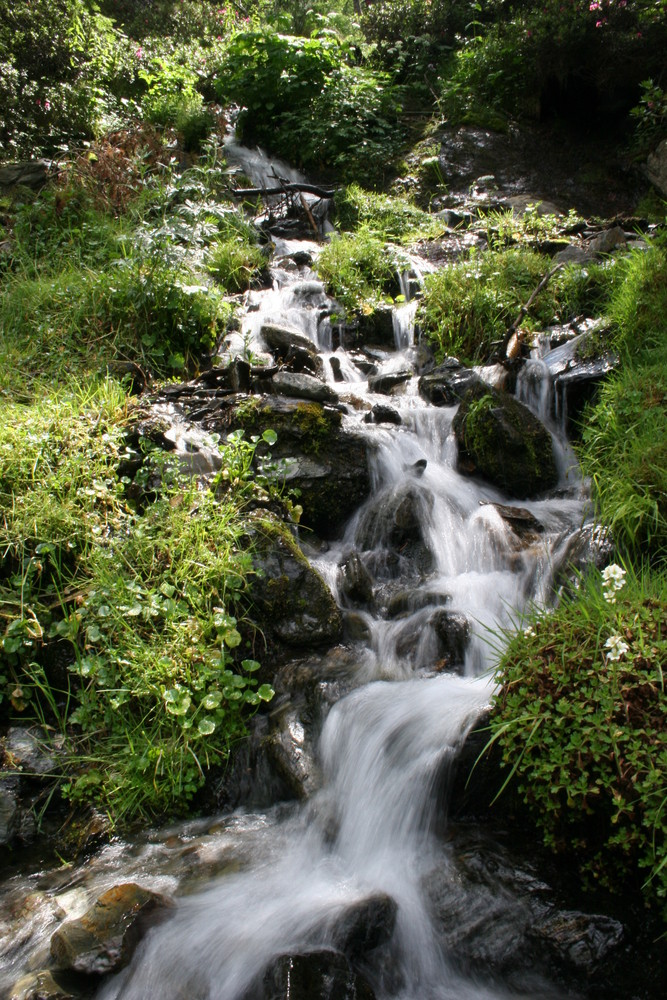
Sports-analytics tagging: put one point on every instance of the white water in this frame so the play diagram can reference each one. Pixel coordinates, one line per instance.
(385, 746)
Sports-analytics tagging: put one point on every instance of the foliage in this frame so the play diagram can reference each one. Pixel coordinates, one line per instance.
(359, 269)
(650, 117)
(172, 99)
(638, 302)
(468, 306)
(301, 98)
(381, 215)
(62, 66)
(139, 609)
(580, 718)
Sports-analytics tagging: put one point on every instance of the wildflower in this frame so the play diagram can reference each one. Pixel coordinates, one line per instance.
(598, 24)
(47, 105)
(613, 579)
(617, 647)
(139, 53)
(594, 6)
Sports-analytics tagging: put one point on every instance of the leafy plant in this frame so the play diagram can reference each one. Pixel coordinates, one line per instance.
(359, 269)
(581, 721)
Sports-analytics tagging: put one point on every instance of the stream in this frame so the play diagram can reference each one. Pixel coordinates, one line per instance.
(252, 887)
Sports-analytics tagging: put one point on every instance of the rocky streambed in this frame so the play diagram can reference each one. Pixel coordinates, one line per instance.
(350, 850)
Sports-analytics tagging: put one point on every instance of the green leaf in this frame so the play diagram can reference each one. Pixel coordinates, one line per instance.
(266, 692)
(206, 726)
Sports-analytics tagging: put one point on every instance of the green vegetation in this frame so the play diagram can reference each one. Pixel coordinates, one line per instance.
(468, 306)
(580, 720)
(359, 269)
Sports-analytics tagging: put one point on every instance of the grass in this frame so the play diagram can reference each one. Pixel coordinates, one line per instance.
(359, 269)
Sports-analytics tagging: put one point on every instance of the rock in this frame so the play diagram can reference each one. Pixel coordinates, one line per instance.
(30, 173)
(447, 384)
(10, 816)
(38, 986)
(573, 255)
(302, 386)
(377, 328)
(365, 925)
(291, 599)
(591, 545)
(391, 529)
(656, 168)
(104, 938)
(292, 348)
(500, 439)
(356, 582)
(327, 463)
(608, 241)
(579, 941)
(453, 631)
(384, 383)
(524, 524)
(381, 414)
(28, 751)
(318, 975)
(291, 752)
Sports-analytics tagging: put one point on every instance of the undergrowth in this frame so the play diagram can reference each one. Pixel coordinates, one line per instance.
(581, 721)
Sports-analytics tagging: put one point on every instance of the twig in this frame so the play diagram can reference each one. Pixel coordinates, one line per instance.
(525, 308)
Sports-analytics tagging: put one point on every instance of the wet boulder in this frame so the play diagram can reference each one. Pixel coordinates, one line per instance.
(380, 414)
(376, 328)
(525, 525)
(356, 582)
(501, 440)
(10, 815)
(447, 384)
(317, 975)
(365, 925)
(656, 167)
(315, 454)
(105, 937)
(453, 631)
(301, 386)
(385, 383)
(291, 752)
(38, 986)
(292, 349)
(292, 602)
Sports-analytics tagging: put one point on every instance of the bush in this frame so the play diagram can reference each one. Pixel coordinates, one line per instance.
(301, 99)
(468, 306)
(120, 629)
(386, 217)
(359, 269)
(580, 720)
(59, 65)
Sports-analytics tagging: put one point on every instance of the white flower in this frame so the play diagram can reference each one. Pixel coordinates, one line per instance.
(613, 576)
(529, 631)
(617, 647)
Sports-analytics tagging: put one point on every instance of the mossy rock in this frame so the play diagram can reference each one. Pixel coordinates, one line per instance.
(292, 603)
(324, 463)
(501, 440)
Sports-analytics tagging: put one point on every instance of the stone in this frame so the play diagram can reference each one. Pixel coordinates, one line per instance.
(572, 255)
(291, 752)
(30, 173)
(38, 986)
(608, 241)
(365, 925)
(292, 348)
(453, 631)
(28, 751)
(501, 440)
(384, 383)
(301, 386)
(656, 168)
(104, 938)
(579, 941)
(381, 414)
(10, 815)
(524, 524)
(447, 384)
(318, 975)
(326, 462)
(376, 328)
(291, 599)
(356, 582)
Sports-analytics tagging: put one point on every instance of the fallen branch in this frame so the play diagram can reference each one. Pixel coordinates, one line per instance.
(284, 189)
(512, 329)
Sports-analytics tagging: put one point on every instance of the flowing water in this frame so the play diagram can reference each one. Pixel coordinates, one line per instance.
(289, 873)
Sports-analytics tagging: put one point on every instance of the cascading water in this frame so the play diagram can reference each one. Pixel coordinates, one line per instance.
(430, 543)
(369, 829)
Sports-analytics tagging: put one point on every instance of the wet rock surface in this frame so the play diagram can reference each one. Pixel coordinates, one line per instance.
(503, 441)
(104, 938)
(324, 974)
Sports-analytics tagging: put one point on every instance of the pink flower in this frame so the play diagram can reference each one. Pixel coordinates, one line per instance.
(139, 53)
(38, 102)
(594, 6)
(47, 105)
(598, 24)
(639, 34)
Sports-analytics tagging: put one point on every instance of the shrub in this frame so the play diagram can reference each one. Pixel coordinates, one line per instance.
(468, 306)
(386, 217)
(121, 629)
(580, 720)
(301, 98)
(359, 269)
